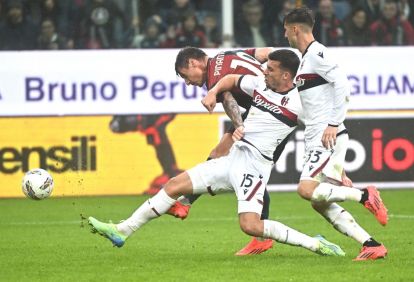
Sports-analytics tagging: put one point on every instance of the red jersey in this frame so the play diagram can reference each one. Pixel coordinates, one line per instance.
(233, 62)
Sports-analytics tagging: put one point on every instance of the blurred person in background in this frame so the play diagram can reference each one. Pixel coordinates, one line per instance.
(101, 25)
(372, 9)
(278, 29)
(49, 38)
(405, 7)
(357, 28)
(17, 32)
(152, 35)
(328, 29)
(189, 34)
(342, 8)
(252, 30)
(390, 29)
(211, 30)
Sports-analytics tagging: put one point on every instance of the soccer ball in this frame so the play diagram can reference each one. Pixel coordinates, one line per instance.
(37, 184)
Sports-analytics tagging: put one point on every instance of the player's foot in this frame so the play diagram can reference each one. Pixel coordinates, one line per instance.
(375, 205)
(327, 248)
(107, 230)
(372, 253)
(255, 247)
(179, 210)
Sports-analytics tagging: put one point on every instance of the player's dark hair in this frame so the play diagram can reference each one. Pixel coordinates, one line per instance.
(288, 60)
(302, 15)
(185, 55)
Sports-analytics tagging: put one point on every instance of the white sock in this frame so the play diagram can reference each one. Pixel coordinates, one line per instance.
(286, 235)
(327, 192)
(152, 208)
(184, 200)
(345, 223)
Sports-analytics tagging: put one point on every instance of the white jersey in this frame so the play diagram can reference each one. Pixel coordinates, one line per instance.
(272, 116)
(324, 92)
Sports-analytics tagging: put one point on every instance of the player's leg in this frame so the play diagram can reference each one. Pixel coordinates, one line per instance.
(321, 181)
(182, 207)
(150, 209)
(258, 245)
(252, 225)
(196, 180)
(249, 181)
(323, 199)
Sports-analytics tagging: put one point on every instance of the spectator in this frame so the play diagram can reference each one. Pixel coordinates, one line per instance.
(253, 31)
(151, 37)
(278, 28)
(102, 25)
(357, 28)
(190, 34)
(342, 8)
(49, 39)
(175, 15)
(391, 29)
(328, 30)
(16, 31)
(211, 30)
(372, 9)
(405, 9)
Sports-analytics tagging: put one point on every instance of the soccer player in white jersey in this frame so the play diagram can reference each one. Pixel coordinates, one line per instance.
(246, 169)
(324, 91)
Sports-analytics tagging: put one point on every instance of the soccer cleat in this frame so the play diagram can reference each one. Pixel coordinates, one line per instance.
(372, 253)
(327, 248)
(179, 210)
(255, 247)
(107, 230)
(375, 205)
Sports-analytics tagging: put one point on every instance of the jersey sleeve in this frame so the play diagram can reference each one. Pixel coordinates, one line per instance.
(331, 72)
(248, 83)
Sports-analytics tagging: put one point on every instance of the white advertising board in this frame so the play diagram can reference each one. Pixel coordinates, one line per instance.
(49, 83)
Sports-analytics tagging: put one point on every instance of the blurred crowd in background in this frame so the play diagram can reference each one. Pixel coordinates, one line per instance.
(111, 24)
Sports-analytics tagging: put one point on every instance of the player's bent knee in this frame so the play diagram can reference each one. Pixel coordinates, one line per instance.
(304, 192)
(179, 185)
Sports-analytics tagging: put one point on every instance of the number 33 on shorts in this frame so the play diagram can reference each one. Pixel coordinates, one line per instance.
(315, 161)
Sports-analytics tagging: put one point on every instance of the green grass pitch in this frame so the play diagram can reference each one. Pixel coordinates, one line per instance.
(46, 241)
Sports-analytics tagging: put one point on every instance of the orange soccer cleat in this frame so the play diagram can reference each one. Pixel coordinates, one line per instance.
(179, 210)
(372, 253)
(255, 247)
(375, 205)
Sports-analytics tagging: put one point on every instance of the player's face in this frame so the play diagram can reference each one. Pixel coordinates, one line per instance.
(193, 74)
(274, 75)
(290, 34)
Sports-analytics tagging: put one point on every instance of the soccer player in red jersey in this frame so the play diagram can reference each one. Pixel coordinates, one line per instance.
(196, 68)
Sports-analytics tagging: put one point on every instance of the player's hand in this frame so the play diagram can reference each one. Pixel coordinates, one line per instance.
(209, 101)
(329, 137)
(238, 133)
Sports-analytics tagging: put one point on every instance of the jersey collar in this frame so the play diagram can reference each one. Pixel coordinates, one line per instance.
(307, 48)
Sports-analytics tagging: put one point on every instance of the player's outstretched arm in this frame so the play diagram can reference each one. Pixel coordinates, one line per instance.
(232, 109)
(262, 53)
(225, 84)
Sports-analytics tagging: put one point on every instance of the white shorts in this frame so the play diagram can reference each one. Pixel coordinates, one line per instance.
(322, 164)
(243, 171)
